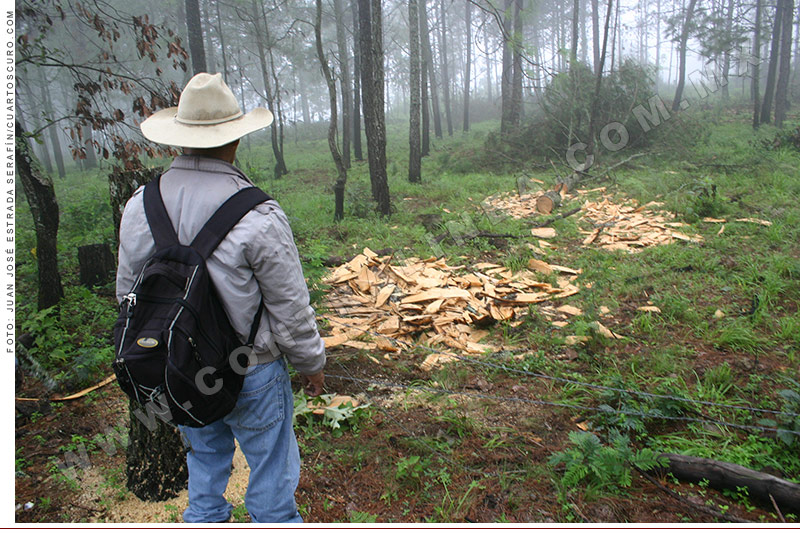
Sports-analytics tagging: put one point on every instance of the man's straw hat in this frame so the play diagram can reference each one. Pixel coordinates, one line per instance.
(207, 116)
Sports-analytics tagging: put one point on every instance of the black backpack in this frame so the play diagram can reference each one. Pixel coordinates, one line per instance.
(177, 354)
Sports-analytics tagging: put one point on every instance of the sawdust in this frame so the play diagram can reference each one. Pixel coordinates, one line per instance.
(134, 510)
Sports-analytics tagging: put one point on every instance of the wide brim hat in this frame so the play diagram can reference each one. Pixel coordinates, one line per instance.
(207, 116)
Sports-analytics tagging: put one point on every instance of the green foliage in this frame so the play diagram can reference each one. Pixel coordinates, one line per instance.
(336, 419)
(592, 464)
(72, 342)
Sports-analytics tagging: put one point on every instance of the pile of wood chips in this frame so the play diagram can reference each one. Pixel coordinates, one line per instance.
(616, 226)
(630, 227)
(377, 305)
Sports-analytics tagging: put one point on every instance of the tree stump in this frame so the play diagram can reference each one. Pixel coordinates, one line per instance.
(96, 264)
(156, 458)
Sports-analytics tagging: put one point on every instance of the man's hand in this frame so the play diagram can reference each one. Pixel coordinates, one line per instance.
(313, 384)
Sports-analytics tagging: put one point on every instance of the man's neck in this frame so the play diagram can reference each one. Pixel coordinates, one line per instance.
(226, 153)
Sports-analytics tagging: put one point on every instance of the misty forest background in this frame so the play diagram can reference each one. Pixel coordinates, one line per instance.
(393, 122)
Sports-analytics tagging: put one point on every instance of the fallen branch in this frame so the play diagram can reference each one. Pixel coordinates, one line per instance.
(75, 396)
(722, 475)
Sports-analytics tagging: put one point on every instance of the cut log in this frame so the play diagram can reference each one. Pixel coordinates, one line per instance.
(548, 202)
(96, 264)
(721, 475)
(567, 183)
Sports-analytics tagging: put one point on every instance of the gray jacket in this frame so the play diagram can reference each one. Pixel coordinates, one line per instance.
(257, 258)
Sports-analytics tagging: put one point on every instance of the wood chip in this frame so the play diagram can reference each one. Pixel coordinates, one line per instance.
(543, 233)
(540, 266)
(435, 294)
(570, 310)
(755, 221)
(718, 314)
(649, 309)
(384, 294)
(571, 340)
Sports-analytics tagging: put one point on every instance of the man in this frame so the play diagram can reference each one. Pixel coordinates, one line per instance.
(257, 259)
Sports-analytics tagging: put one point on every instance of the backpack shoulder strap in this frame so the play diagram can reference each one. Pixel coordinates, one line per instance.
(225, 218)
(157, 216)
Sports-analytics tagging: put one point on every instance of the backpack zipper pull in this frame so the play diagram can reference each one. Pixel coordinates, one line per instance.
(131, 299)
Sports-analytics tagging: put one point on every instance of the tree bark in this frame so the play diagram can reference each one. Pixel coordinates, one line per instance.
(782, 88)
(344, 73)
(726, 67)
(415, 155)
(445, 69)
(341, 172)
(121, 186)
(772, 70)
(357, 153)
(754, 89)
(155, 458)
(468, 64)
(684, 38)
(371, 42)
(41, 198)
(427, 53)
(508, 67)
(573, 54)
(195, 31)
(722, 475)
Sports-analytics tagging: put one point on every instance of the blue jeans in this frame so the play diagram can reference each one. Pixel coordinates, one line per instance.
(262, 424)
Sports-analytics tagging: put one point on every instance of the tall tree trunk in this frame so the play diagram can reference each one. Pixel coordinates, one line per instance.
(44, 154)
(428, 64)
(772, 70)
(593, 115)
(414, 154)
(195, 31)
(344, 76)
(356, 85)
(426, 108)
(468, 64)
(584, 43)
(91, 155)
(782, 89)
(210, 55)
(508, 71)
(754, 89)
(445, 69)
(261, 34)
(222, 44)
(516, 76)
(371, 42)
(341, 172)
(41, 198)
(684, 38)
(658, 42)
(489, 63)
(573, 53)
(58, 155)
(596, 36)
(726, 65)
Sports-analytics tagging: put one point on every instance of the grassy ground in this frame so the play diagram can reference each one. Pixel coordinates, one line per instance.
(421, 455)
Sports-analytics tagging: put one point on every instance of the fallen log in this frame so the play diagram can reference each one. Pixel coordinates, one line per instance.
(547, 202)
(722, 475)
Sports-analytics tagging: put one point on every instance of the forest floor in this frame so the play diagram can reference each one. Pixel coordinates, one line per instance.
(472, 440)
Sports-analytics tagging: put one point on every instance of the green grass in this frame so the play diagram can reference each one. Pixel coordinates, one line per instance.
(749, 272)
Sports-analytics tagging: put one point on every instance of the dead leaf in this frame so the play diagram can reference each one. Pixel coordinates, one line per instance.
(649, 309)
